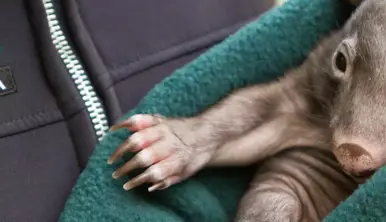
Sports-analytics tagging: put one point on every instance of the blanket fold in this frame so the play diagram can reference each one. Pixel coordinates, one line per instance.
(258, 52)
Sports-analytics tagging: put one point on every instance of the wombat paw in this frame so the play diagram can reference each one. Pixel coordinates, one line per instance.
(166, 156)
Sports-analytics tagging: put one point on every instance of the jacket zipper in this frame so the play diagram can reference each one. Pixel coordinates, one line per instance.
(93, 104)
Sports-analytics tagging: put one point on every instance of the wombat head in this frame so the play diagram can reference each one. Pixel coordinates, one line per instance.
(358, 116)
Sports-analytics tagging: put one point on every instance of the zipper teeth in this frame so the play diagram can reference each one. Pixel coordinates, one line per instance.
(93, 104)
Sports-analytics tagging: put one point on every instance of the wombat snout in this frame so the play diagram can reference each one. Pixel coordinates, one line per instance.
(355, 160)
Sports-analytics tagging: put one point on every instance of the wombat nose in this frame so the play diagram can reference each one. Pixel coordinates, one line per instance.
(354, 159)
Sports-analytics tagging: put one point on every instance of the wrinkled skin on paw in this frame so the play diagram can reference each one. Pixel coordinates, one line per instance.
(165, 147)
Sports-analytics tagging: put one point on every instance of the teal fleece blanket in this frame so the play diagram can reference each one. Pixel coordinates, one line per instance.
(258, 52)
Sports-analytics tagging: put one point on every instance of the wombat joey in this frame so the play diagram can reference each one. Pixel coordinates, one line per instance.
(316, 133)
